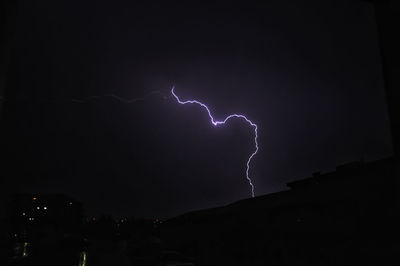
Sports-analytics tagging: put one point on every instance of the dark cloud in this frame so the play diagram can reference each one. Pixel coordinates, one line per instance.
(307, 73)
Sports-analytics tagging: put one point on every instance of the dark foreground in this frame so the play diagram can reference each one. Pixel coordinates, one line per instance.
(346, 217)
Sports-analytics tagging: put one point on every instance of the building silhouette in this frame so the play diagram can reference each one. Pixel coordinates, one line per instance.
(340, 218)
(45, 228)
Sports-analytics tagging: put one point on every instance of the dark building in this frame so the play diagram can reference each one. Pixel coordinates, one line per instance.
(31, 213)
(340, 218)
(43, 226)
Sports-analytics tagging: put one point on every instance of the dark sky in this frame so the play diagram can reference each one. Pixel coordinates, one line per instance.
(307, 72)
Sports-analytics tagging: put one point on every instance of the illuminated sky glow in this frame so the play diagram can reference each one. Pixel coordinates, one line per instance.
(222, 122)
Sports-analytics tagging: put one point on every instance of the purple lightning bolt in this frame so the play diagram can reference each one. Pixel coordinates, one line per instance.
(216, 123)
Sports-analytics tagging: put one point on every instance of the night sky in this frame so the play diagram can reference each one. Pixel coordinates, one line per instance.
(307, 72)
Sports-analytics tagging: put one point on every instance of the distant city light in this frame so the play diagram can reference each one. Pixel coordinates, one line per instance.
(34, 198)
(82, 259)
(70, 203)
(25, 251)
(45, 208)
(38, 208)
(23, 214)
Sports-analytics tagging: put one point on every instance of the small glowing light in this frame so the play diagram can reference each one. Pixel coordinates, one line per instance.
(23, 214)
(45, 208)
(25, 251)
(34, 198)
(82, 260)
(38, 208)
(70, 203)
